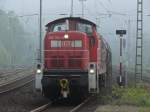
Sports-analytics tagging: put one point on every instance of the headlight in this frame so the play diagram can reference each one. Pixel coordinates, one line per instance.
(92, 71)
(38, 71)
(66, 36)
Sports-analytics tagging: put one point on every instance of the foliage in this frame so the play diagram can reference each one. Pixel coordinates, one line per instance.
(144, 109)
(14, 44)
(139, 96)
(4, 55)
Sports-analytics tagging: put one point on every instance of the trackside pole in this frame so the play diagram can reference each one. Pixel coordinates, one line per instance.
(122, 74)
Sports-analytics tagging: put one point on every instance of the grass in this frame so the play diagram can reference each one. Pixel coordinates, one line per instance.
(144, 109)
(126, 99)
(139, 96)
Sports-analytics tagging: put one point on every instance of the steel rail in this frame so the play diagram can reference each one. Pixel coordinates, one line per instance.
(46, 106)
(42, 108)
(20, 79)
(18, 70)
(78, 107)
(15, 79)
(16, 84)
(10, 72)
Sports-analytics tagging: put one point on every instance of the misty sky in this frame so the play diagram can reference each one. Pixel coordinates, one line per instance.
(93, 9)
(55, 7)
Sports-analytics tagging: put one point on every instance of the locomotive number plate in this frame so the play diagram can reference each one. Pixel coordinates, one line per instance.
(66, 43)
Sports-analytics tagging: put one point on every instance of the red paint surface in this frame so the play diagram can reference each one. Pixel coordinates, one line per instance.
(66, 57)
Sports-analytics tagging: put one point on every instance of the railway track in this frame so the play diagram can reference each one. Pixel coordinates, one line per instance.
(50, 108)
(42, 108)
(10, 70)
(6, 74)
(78, 107)
(15, 80)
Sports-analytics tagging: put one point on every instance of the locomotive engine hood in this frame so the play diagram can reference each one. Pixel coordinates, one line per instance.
(66, 50)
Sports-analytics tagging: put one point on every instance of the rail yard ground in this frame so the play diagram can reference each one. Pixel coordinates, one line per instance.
(23, 99)
(128, 99)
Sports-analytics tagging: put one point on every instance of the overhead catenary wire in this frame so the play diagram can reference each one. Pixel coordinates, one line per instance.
(82, 1)
(110, 12)
(101, 3)
(71, 12)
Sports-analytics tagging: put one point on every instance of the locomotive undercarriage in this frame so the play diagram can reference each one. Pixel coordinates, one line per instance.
(71, 85)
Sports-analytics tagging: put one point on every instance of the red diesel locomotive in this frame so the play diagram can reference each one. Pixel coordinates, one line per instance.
(76, 60)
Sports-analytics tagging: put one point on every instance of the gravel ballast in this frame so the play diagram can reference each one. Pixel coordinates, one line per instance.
(23, 99)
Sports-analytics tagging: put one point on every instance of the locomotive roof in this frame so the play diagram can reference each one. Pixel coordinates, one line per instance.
(71, 18)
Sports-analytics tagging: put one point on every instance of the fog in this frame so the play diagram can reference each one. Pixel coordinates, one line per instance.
(109, 15)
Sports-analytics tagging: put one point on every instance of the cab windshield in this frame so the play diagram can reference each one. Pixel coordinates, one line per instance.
(86, 28)
(59, 27)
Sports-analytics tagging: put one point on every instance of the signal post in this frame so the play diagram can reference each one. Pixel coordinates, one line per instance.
(121, 79)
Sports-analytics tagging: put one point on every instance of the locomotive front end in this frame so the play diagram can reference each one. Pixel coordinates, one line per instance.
(66, 60)
(75, 60)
